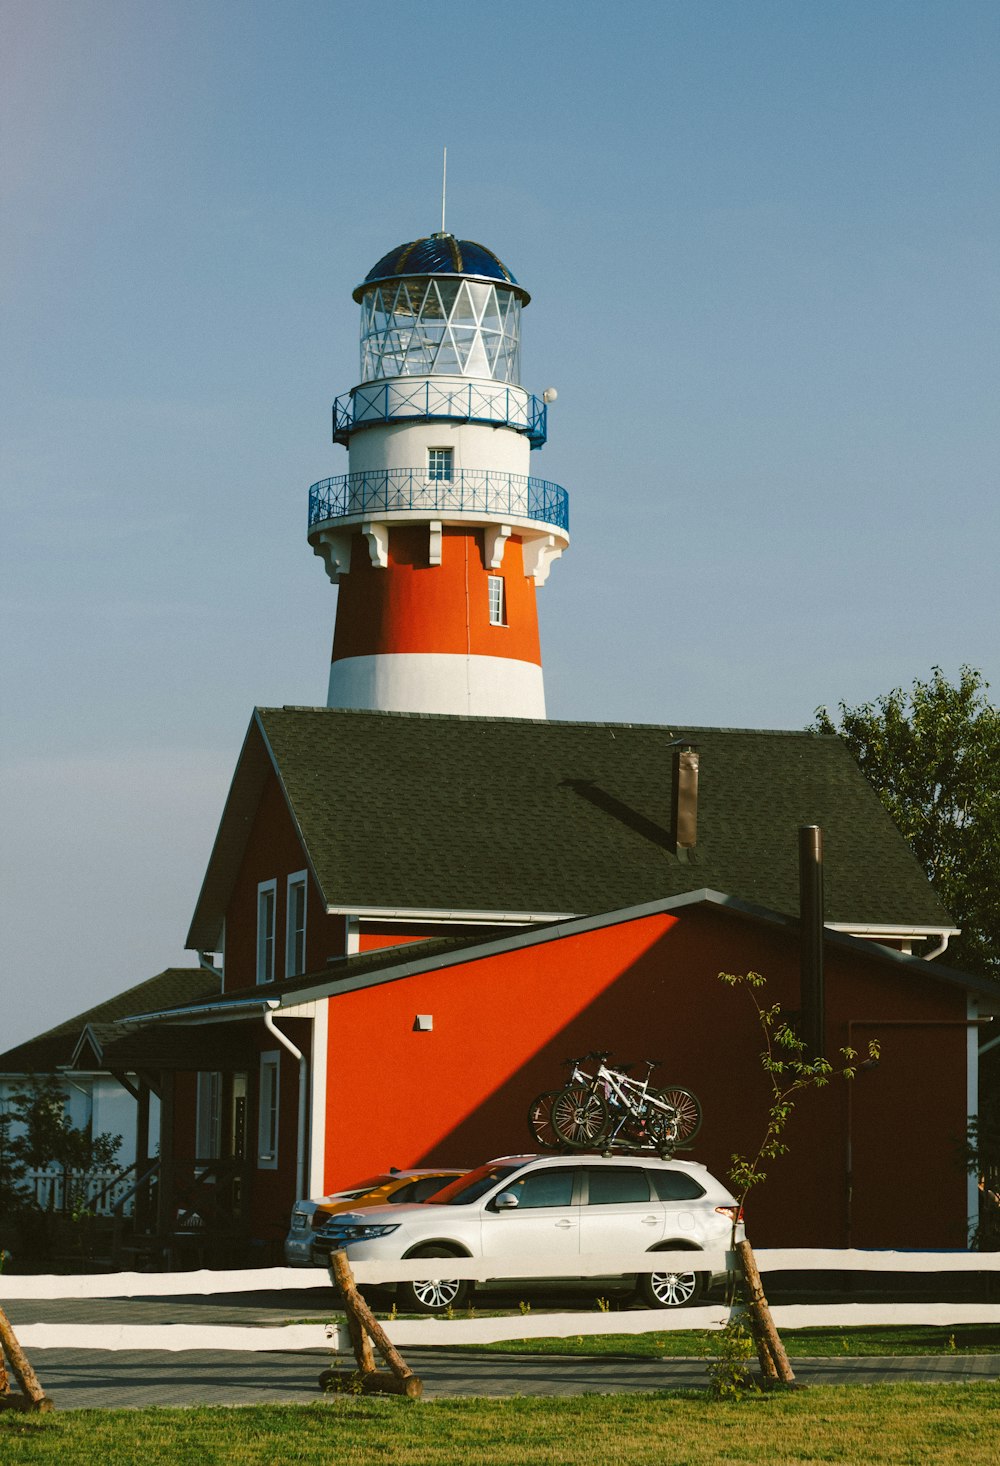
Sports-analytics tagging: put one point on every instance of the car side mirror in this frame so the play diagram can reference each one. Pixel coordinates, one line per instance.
(506, 1200)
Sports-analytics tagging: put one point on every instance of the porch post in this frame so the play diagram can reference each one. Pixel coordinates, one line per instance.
(166, 1203)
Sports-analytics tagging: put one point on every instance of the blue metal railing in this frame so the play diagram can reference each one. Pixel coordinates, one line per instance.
(469, 491)
(495, 403)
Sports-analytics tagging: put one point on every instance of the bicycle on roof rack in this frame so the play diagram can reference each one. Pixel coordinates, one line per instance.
(607, 1109)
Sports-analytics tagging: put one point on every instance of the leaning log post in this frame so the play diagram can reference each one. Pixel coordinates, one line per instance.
(761, 1322)
(364, 1328)
(33, 1397)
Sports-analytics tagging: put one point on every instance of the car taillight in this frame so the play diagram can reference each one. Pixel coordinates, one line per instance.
(734, 1213)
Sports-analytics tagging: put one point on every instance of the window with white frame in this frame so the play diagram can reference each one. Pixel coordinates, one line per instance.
(439, 463)
(208, 1117)
(267, 1110)
(266, 902)
(295, 925)
(498, 601)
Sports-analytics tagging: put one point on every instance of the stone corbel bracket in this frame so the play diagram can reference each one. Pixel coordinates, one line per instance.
(334, 549)
(539, 556)
(495, 538)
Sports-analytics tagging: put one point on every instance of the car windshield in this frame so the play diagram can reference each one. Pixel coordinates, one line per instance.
(471, 1186)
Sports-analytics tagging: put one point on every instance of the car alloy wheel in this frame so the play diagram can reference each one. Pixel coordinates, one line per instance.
(432, 1295)
(670, 1290)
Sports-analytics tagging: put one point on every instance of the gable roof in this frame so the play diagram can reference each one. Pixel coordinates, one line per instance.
(57, 1047)
(526, 819)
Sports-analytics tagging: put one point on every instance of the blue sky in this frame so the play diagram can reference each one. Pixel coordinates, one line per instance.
(761, 241)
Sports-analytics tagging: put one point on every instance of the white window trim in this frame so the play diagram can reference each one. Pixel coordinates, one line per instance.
(502, 619)
(449, 463)
(263, 889)
(267, 1153)
(298, 878)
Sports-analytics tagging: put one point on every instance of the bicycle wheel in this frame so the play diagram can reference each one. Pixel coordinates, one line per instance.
(543, 1132)
(579, 1116)
(686, 1114)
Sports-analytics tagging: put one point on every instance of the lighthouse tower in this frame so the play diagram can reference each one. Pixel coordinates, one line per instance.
(438, 535)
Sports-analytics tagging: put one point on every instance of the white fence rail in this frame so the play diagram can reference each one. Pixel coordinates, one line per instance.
(472, 1330)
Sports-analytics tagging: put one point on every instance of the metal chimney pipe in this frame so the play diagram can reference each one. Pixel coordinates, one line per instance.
(685, 796)
(813, 999)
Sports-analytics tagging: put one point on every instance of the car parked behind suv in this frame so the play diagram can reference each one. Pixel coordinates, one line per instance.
(520, 1207)
(391, 1186)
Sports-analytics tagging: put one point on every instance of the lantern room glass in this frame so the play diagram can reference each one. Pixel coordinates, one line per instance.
(442, 327)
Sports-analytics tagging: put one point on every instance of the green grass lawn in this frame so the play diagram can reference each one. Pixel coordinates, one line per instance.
(962, 1339)
(912, 1425)
(690, 1344)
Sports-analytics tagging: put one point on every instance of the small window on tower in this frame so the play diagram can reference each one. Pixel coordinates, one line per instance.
(498, 601)
(439, 461)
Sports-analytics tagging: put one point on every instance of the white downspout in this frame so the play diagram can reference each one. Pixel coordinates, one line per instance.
(286, 1043)
(942, 946)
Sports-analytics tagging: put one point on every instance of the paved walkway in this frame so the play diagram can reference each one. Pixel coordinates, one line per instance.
(106, 1380)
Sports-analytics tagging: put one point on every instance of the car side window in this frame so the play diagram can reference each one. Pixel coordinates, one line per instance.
(405, 1193)
(609, 1184)
(676, 1186)
(543, 1188)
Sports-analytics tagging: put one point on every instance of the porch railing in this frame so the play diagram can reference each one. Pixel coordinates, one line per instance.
(441, 401)
(468, 491)
(100, 1192)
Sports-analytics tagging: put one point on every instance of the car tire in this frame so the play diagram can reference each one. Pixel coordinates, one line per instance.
(432, 1295)
(671, 1289)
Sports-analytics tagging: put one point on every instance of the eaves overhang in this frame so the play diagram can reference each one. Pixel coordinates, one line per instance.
(204, 1012)
(324, 985)
(452, 914)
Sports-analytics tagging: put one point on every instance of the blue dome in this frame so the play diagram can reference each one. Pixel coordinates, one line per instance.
(442, 254)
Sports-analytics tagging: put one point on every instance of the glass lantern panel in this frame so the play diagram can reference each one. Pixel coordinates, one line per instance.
(446, 326)
(491, 315)
(447, 359)
(463, 311)
(408, 299)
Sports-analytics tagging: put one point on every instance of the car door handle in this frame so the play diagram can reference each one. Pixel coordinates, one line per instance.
(565, 1225)
(650, 1221)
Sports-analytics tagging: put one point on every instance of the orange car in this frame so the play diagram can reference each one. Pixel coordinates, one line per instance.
(386, 1190)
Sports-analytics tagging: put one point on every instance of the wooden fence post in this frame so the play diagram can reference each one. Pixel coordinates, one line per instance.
(33, 1397)
(364, 1328)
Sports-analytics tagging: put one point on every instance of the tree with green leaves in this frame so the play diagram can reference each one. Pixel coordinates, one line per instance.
(44, 1136)
(932, 754)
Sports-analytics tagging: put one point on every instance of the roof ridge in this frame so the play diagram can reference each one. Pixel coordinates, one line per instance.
(547, 722)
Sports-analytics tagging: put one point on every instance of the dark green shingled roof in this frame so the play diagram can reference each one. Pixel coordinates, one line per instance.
(404, 811)
(171, 988)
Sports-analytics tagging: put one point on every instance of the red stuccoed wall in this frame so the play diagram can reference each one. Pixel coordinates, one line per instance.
(650, 988)
(412, 606)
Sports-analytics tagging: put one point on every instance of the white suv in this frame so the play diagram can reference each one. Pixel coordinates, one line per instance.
(553, 1206)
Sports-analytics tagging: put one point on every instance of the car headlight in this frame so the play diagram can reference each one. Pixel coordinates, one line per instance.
(300, 1221)
(360, 1233)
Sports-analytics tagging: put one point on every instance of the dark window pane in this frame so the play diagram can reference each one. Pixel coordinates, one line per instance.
(676, 1186)
(617, 1183)
(543, 1188)
(427, 1186)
